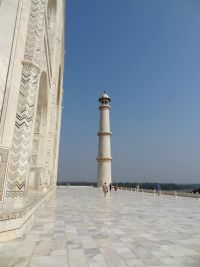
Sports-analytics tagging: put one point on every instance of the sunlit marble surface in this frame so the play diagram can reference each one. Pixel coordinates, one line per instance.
(79, 227)
(6, 33)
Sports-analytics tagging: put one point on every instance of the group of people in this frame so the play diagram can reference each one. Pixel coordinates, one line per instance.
(116, 187)
(106, 188)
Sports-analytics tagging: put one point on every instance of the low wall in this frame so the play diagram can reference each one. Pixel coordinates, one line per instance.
(162, 192)
(14, 224)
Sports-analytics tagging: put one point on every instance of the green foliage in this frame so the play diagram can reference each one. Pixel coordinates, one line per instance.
(164, 186)
(148, 186)
(77, 183)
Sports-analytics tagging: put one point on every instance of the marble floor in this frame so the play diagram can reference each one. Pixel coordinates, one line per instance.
(79, 227)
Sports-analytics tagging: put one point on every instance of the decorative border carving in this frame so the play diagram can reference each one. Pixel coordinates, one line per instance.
(15, 194)
(4, 155)
(103, 159)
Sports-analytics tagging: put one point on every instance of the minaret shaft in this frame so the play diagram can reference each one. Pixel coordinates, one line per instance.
(104, 158)
(104, 125)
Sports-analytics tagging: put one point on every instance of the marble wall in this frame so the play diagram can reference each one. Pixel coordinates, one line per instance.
(31, 60)
(7, 29)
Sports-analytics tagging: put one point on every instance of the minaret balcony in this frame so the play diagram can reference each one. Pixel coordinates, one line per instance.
(104, 107)
(103, 159)
(104, 133)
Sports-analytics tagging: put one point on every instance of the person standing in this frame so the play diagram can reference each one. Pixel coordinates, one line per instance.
(105, 189)
(116, 187)
(110, 186)
(158, 188)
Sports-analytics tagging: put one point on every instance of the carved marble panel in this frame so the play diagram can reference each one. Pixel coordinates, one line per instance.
(4, 154)
(35, 145)
(34, 160)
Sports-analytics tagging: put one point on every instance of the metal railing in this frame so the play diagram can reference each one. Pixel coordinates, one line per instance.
(162, 192)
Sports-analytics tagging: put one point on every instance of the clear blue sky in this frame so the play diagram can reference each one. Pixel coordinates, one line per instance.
(146, 55)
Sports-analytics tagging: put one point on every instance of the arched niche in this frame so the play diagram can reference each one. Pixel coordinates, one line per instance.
(51, 20)
(38, 153)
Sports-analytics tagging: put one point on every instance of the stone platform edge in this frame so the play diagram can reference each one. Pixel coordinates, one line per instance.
(15, 223)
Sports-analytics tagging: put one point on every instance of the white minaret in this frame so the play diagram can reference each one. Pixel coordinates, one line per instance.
(104, 158)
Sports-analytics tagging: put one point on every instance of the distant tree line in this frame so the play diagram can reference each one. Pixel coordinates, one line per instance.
(77, 183)
(148, 186)
(164, 186)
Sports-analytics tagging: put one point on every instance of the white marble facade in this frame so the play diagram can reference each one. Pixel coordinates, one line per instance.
(7, 31)
(31, 78)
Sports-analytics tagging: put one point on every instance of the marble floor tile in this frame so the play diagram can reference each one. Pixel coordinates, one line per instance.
(80, 228)
(48, 261)
(17, 261)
